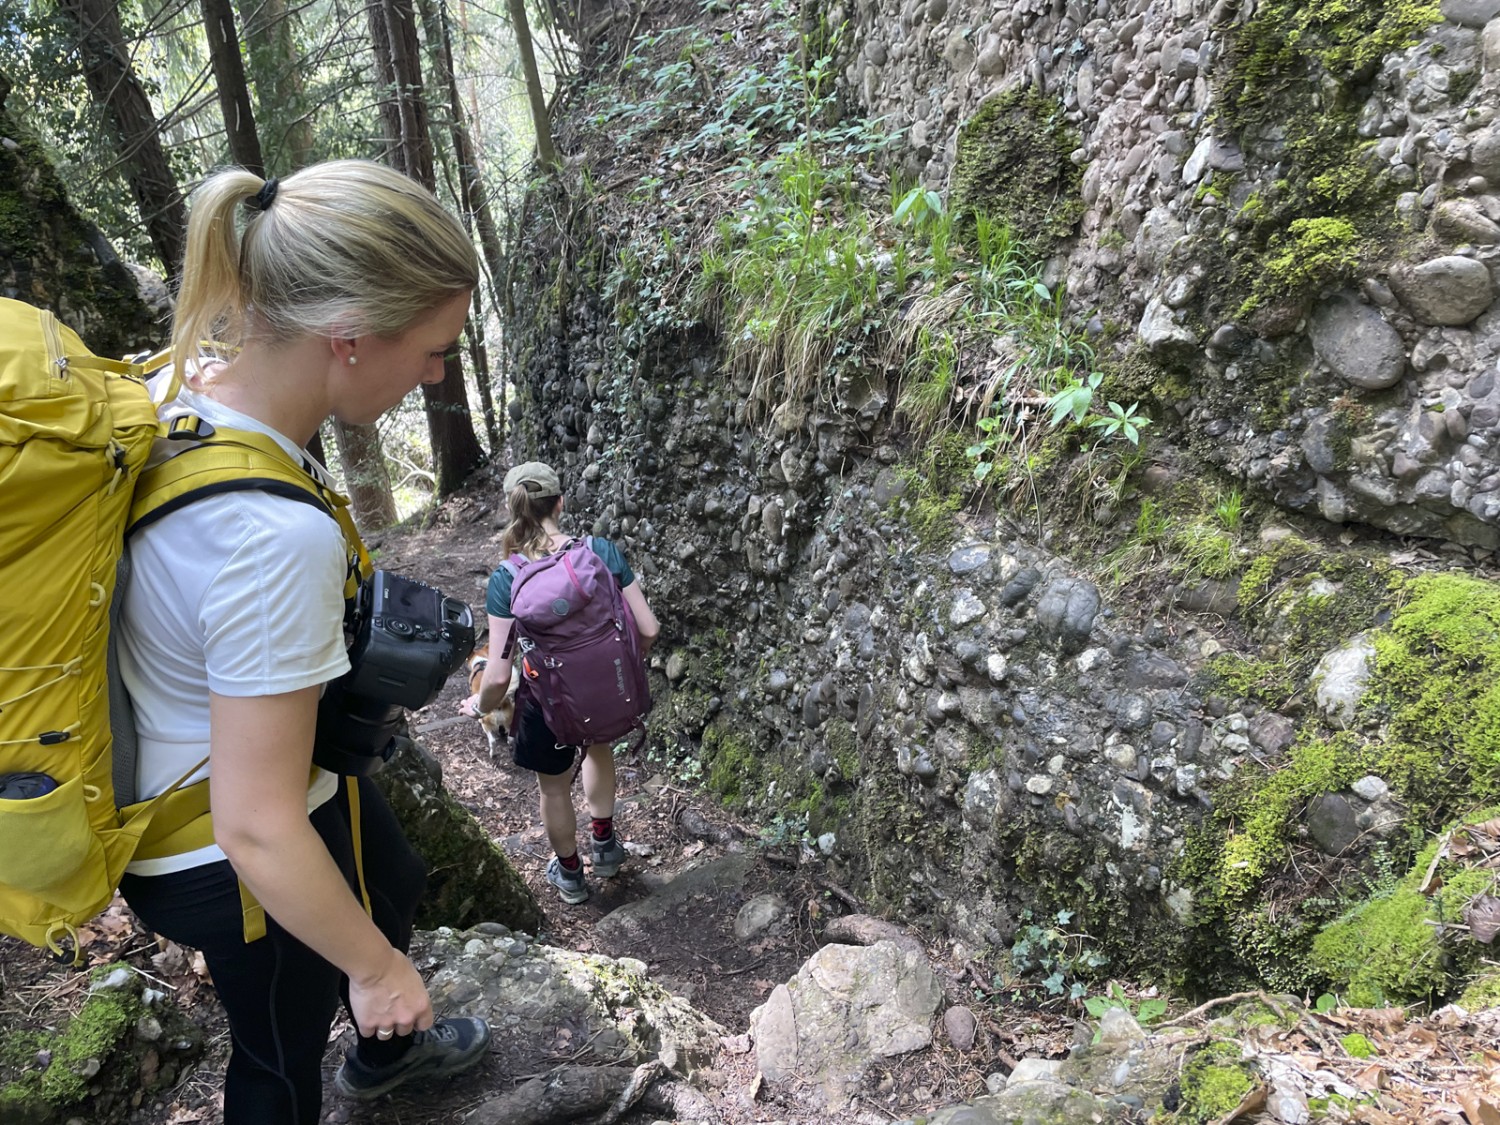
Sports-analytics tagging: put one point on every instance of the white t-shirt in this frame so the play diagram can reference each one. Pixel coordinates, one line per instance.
(242, 594)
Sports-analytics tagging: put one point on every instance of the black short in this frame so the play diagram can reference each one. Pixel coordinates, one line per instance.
(534, 746)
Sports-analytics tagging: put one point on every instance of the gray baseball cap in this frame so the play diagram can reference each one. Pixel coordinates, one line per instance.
(539, 479)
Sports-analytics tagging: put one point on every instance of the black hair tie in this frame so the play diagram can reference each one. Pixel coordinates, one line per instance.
(263, 198)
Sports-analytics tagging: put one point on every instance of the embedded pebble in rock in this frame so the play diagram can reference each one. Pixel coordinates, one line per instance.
(1332, 824)
(968, 559)
(1460, 220)
(1370, 788)
(1357, 343)
(1161, 331)
(966, 609)
(1341, 678)
(1447, 290)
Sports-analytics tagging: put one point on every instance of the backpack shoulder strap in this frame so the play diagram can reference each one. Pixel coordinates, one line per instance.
(213, 460)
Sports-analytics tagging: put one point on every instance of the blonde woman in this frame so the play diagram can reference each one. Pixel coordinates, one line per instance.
(337, 290)
(536, 504)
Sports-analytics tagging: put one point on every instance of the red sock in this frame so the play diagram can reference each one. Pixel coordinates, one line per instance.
(604, 827)
(570, 862)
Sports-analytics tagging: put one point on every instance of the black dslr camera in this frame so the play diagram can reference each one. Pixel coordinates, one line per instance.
(408, 639)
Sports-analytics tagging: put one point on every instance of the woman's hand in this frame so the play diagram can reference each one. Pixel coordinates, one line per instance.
(393, 1001)
(469, 706)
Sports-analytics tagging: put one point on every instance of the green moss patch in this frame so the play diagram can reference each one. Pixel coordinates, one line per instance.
(1438, 681)
(1214, 1083)
(86, 1054)
(1014, 163)
(1394, 949)
(1301, 72)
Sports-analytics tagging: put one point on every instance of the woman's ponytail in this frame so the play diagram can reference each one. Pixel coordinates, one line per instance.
(211, 301)
(526, 533)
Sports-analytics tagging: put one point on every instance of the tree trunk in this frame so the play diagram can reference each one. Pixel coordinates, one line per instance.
(114, 87)
(455, 449)
(545, 152)
(365, 475)
(475, 202)
(479, 355)
(276, 66)
(234, 94)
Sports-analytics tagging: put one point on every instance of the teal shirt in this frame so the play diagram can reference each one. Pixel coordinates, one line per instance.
(497, 593)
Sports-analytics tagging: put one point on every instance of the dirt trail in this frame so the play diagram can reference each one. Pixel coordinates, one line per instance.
(685, 936)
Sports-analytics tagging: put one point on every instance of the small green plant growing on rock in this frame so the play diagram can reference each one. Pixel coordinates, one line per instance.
(1146, 1012)
(1356, 1046)
(1047, 949)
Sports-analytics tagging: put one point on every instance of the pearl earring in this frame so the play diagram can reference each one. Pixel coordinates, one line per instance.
(353, 359)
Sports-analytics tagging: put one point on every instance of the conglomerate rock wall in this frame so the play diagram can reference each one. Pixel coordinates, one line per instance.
(947, 707)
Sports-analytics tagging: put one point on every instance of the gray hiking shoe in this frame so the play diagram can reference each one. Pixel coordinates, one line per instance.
(450, 1046)
(608, 856)
(570, 885)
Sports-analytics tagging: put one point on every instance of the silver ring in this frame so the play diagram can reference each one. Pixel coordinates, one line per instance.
(384, 1033)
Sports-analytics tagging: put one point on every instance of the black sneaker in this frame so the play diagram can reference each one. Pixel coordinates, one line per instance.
(450, 1046)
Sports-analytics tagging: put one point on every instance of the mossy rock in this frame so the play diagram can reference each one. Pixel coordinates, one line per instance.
(126, 1039)
(469, 879)
(56, 259)
(1483, 992)
(1393, 949)
(1014, 163)
(1214, 1083)
(1300, 72)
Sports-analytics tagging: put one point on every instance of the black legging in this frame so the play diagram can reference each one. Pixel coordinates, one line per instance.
(279, 995)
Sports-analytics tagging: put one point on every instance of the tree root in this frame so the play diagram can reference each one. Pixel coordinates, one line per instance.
(594, 1095)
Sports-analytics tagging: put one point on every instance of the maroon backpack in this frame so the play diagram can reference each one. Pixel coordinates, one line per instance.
(580, 655)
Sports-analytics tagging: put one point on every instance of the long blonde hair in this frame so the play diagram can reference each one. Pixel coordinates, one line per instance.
(348, 246)
(525, 534)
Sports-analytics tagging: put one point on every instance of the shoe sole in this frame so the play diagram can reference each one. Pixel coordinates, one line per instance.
(440, 1067)
(572, 898)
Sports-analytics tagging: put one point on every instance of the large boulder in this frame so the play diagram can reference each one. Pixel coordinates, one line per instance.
(469, 879)
(52, 257)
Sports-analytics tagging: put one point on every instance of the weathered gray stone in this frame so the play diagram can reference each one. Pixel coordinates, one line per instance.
(1448, 290)
(527, 990)
(1460, 220)
(1341, 678)
(758, 915)
(1036, 1070)
(1470, 13)
(1160, 331)
(1066, 609)
(961, 1027)
(1331, 824)
(846, 1008)
(1354, 339)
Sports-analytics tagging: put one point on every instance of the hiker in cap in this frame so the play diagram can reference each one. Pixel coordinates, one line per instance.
(536, 505)
(333, 292)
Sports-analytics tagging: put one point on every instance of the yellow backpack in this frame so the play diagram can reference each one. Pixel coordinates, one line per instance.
(77, 433)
